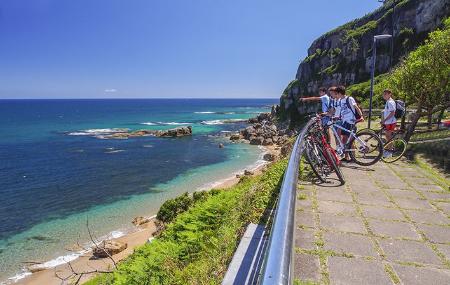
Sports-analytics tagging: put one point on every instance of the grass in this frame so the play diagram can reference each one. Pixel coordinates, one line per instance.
(431, 135)
(197, 246)
(389, 270)
(432, 173)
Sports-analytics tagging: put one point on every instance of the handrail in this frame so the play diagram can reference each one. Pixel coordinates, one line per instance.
(278, 264)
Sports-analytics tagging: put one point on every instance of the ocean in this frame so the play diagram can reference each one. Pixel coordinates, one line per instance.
(57, 171)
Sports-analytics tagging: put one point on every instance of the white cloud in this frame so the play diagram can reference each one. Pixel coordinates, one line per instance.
(110, 90)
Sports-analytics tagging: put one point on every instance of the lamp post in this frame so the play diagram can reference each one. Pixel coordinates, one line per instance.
(372, 77)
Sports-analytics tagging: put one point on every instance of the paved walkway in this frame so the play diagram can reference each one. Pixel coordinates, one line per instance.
(390, 224)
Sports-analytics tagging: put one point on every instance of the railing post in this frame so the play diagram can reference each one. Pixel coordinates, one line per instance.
(278, 265)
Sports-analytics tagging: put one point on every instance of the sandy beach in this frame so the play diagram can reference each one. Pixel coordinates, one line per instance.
(140, 236)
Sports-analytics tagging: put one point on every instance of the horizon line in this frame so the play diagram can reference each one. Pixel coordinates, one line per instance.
(138, 98)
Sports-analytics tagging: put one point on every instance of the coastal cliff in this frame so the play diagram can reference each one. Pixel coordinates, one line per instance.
(344, 55)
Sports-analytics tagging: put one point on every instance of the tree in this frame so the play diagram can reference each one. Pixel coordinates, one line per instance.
(423, 77)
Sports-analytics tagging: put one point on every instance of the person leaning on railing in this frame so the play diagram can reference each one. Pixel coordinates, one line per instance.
(325, 106)
(323, 98)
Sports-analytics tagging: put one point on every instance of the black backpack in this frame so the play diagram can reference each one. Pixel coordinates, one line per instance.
(356, 114)
(400, 109)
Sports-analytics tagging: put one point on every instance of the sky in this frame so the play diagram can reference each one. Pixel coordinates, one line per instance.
(160, 48)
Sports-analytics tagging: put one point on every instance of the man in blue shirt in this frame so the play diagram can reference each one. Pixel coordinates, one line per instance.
(325, 102)
(323, 98)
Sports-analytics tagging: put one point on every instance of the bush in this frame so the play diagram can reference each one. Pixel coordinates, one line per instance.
(199, 243)
(172, 207)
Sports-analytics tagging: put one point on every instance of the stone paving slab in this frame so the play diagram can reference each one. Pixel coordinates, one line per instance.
(444, 206)
(393, 229)
(307, 267)
(439, 234)
(428, 217)
(337, 208)
(356, 271)
(409, 251)
(339, 196)
(444, 249)
(382, 212)
(429, 188)
(375, 198)
(305, 218)
(403, 193)
(410, 275)
(344, 224)
(349, 243)
(389, 224)
(304, 238)
(413, 204)
(433, 196)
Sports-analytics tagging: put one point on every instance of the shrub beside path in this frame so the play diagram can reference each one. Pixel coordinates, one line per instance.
(390, 224)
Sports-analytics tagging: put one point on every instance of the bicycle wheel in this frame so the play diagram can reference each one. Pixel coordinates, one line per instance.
(374, 145)
(314, 157)
(393, 150)
(366, 148)
(333, 163)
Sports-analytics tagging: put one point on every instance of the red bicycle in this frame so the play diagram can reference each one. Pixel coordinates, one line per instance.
(320, 155)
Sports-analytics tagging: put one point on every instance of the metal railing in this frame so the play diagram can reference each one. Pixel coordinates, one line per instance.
(278, 265)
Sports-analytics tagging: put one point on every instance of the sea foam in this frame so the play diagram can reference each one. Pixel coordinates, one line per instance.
(220, 113)
(18, 276)
(164, 123)
(96, 132)
(221, 122)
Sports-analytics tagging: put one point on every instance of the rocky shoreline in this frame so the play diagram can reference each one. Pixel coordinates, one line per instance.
(263, 130)
(171, 133)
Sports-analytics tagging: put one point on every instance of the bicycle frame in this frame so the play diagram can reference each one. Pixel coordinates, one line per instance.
(325, 144)
(341, 148)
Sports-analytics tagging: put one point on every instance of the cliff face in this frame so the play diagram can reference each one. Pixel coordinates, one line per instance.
(344, 55)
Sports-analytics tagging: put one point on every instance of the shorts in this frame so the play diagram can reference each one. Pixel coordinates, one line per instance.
(325, 121)
(338, 123)
(348, 126)
(390, 127)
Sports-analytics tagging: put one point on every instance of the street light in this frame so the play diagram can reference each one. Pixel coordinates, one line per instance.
(372, 77)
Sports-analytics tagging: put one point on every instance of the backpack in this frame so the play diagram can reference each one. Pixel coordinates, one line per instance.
(356, 114)
(400, 109)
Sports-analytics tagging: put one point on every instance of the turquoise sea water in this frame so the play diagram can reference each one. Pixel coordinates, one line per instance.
(56, 171)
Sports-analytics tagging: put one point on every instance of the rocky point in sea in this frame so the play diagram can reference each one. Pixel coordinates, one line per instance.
(263, 130)
(176, 132)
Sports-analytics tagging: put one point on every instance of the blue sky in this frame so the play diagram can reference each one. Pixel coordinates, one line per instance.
(160, 48)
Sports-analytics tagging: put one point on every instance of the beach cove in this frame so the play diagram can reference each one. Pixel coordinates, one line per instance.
(51, 241)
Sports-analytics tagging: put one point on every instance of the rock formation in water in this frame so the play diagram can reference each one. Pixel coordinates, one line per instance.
(176, 132)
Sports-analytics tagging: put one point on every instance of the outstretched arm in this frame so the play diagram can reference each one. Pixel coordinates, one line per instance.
(306, 99)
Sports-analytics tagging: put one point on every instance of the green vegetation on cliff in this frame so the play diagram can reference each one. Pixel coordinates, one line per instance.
(423, 78)
(197, 246)
(344, 55)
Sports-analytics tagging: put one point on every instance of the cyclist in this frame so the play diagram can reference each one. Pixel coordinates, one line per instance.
(350, 115)
(324, 99)
(389, 122)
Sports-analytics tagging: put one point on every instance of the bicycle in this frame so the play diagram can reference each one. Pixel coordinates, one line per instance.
(365, 147)
(393, 149)
(320, 155)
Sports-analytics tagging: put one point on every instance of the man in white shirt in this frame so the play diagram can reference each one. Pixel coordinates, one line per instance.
(334, 108)
(349, 112)
(389, 121)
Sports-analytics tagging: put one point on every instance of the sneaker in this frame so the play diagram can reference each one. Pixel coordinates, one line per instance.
(387, 154)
